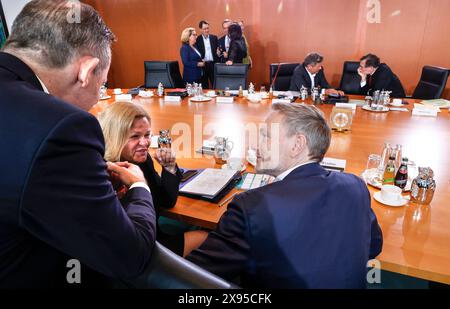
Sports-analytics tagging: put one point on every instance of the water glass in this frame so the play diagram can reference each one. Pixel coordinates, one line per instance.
(373, 162)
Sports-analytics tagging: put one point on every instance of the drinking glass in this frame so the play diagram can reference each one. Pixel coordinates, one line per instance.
(262, 90)
(373, 162)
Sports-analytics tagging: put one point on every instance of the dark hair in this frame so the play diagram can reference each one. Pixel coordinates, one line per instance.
(201, 23)
(312, 59)
(235, 32)
(371, 60)
(45, 30)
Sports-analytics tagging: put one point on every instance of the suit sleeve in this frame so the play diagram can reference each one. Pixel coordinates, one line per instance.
(383, 80)
(69, 203)
(297, 80)
(226, 251)
(186, 58)
(323, 81)
(164, 188)
(232, 51)
(376, 243)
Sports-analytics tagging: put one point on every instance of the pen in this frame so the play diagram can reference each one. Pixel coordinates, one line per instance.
(228, 199)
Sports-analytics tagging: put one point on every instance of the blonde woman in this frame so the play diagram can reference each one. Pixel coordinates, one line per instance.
(126, 128)
(192, 59)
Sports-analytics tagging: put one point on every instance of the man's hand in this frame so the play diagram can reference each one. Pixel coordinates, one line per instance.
(229, 62)
(334, 91)
(225, 54)
(201, 64)
(362, 74)
(166, 157)
(126, 172)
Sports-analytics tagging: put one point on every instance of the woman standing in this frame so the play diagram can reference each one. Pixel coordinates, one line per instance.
(237, 51)
(191, 57)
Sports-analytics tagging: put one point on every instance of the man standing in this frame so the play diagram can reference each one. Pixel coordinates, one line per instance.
(311, 228)
(207, 45)
(58, 208)
(224, 42)
(310, 74)
(378, 76)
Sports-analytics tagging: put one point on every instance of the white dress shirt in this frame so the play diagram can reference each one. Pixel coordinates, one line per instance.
(312, 76)
(287, 172)
(43, 85)
(208, 51)
(227, 42)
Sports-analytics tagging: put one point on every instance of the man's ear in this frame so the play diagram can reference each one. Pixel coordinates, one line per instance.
(299, 144)
(86, 69)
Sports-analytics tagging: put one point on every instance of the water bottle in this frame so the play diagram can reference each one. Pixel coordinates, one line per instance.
(160, 90)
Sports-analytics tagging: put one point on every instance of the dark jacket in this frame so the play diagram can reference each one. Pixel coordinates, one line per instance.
(213, 41)
(384, 79)
(300, 78)
(314, 229)
(56, 200)
(223, 49)
(237, 51)
(191, 71)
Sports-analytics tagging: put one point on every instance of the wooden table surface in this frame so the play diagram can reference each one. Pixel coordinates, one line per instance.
(416, 237)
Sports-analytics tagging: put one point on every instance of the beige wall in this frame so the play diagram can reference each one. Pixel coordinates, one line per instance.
(412, 33)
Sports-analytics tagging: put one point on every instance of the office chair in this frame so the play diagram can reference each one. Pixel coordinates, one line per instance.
(167, 270)
(165, 72)
(282, 73)
(232, 76)
(350, 80)
(432, 83)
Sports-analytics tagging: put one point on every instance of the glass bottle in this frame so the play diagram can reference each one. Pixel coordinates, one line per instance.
(271, 92)
(241, 92)
(401, 178)
(389, 172)
(387, 151)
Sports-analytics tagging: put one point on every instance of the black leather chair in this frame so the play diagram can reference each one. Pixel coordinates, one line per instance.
(432, 83)
(350, 80)
(166, 270)
(165, 72)
(232, 76)
(283, 79)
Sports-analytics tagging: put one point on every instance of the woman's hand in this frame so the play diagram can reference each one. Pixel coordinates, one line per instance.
(201, 64)
(229, 62)
(167, 157)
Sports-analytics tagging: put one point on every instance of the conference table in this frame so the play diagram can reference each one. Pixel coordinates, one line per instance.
(416, 238)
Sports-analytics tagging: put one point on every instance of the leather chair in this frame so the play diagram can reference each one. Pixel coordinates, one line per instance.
(432, 83)
(350, 80)
(166, 270)
(232, 76)
(165, 72)
(283, 79)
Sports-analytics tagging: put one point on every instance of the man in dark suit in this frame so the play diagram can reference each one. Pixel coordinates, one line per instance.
(378, 76)
(310, 74)
(207, 45)
(61, 223)
(310, 228)
(224, 42)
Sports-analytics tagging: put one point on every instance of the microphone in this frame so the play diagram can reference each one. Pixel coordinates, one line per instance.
(276, 75)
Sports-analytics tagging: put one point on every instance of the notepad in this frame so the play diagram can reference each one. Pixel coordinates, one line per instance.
(209, 183)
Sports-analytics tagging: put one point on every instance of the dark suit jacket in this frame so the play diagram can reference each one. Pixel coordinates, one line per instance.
(191, 72)
(200, 44)
(164, 188)
(384, 79)
(222, 47)
(300, 78)
(56, 200)
(237, 51)
(314, 229)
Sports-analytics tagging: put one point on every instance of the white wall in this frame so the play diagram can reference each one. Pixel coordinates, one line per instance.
(11, 9)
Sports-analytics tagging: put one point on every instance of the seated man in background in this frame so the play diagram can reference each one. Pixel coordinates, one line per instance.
(378, 76)
(56, 200)
(311, 228)
(310, 74)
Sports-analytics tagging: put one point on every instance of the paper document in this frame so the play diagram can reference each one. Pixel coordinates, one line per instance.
(333, 164)
(209, 183)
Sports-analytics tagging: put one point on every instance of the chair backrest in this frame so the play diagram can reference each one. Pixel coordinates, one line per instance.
(165, 72)
(166, 270)
(232, 76)
(350, 80)
(432, 83)
(283, 78)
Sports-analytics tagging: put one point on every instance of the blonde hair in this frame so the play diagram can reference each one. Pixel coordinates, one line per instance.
(116, 121)
(186, 34)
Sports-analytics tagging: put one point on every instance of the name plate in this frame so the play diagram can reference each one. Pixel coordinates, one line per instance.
(346, 105)
(425, 112)
(275, 101)
(225, 100)
(123, 97)
(170, 98)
